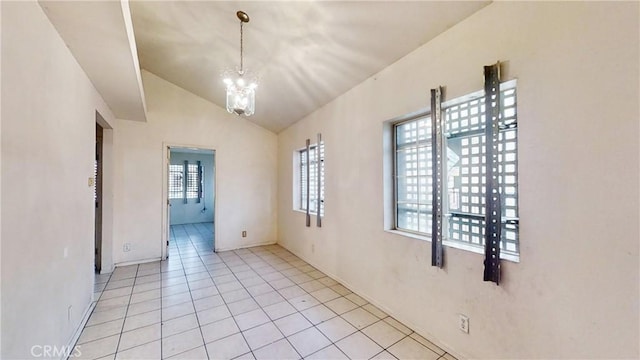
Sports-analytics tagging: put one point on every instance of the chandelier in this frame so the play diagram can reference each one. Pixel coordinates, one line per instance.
(241, 87)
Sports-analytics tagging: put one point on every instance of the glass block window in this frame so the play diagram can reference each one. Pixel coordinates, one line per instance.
(176, 181)
(312, 159)
(464, 171)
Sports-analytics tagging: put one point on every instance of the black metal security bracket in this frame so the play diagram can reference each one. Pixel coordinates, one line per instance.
(493, 212)
(199, 182)
(318, 181)
(308, 154)
(185, 182)
(437, 258)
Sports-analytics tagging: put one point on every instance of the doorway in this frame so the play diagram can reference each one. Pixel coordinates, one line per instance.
(190, 197)
(97, 196)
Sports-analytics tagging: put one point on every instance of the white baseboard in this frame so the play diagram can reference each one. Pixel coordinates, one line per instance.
(246, 246)
(135, 262)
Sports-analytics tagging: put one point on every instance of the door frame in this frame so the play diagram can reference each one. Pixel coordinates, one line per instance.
(106, 259)
(166, 152)
(98, 199)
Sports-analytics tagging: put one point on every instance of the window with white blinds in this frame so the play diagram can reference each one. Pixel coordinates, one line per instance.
(316, 154)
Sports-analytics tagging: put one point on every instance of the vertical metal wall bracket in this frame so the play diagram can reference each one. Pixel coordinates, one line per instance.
(493, 211)
(437, 258)
(185, 182)
(199, 182)
(318, 182)
(308, 154)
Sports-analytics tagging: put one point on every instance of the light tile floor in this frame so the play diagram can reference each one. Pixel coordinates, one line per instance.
(256, 303)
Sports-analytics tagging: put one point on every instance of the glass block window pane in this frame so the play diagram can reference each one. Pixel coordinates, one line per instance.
(413, 175)
(466, 171)
(193, 179)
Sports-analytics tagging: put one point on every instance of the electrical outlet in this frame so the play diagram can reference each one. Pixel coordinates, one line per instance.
(313, 248)
(463, 324)
(126, 247)
(244, 233)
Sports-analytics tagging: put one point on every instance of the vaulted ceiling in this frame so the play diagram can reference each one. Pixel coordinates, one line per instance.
(306, 53)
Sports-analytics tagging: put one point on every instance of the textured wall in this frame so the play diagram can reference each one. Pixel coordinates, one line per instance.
(574, 293)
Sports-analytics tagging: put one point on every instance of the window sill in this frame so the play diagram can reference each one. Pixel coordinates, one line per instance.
(304, 212)
(453, 244)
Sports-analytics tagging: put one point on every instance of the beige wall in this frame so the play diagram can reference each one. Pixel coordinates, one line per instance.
(246, 174)
(575, 292)
(48, 147)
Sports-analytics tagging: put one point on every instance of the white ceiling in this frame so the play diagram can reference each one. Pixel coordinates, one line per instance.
(306, 53)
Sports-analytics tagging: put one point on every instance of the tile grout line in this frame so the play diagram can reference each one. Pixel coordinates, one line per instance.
(290, 304)
(126, 311)
(275, 290)
(378, 319)
(223, 299)
(300, 312)
(171, 235)
(214, 285)
(362, 306)
(261, 307)
(320, 303)
(250, 295)
(192, 301)
(340, 316)
(93, 311)
(357, 329)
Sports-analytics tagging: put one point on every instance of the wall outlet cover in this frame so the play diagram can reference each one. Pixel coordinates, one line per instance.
(463, 323)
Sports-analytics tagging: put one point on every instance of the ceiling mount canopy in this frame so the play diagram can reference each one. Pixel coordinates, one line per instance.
(242, 16)
(241, 87)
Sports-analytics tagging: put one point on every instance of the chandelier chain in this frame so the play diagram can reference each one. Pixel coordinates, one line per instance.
(241, 46)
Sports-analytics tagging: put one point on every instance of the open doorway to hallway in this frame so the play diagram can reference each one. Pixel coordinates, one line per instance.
(191, 197)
